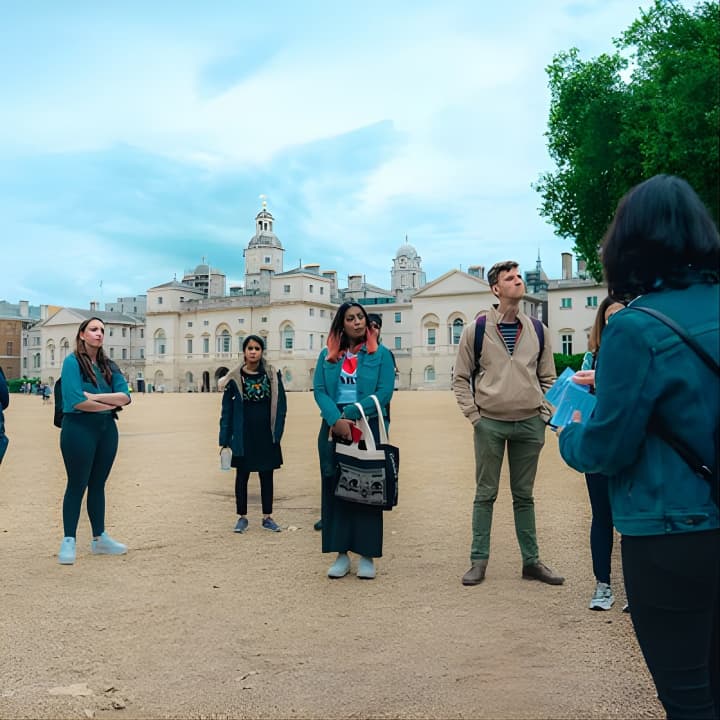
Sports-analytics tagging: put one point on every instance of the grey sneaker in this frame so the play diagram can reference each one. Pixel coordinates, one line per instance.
(241, 525)
(603, 597)
(476, 574)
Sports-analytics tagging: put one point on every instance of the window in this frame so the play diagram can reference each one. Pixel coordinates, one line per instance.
(311, 341)
(398, 317)
(36, 360)
(286, 289)
(241, 340)
(322, 340)
(241, 320)
(160, 342)
(206, 323)
(206, 345)
(9, 348)
(142, 332)
(36, 340)
(124, 353)
(160, 300)
(189, 323)
(322, 313)
(124, 332)
(112, 352)
(566, 302)
(111, 332)
(312, 312)
(142, 353)
(456, 331)
(591, 301)
(310, 288)
(429, 374)
(267, 257)
(288, 337)
(398, 343)
(223, 342)
(263, 318)
(322, 290)
(24, 363)
(188, 343)
(567, 344)
(431, 336)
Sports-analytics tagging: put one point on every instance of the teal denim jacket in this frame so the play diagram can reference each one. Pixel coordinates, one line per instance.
(646, 371)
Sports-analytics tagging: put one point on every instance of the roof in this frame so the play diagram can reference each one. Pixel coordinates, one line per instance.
(175, 284)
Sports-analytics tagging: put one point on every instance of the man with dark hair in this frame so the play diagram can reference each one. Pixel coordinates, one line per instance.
(502, 393)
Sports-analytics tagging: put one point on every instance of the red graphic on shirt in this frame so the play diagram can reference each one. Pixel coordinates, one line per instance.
(349, 365)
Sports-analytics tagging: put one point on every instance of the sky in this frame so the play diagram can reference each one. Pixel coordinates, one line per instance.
(136, 138)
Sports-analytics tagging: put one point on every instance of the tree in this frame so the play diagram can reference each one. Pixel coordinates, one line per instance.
(606, 133)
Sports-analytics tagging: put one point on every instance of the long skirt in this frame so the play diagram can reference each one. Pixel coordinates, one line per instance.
(346, 526)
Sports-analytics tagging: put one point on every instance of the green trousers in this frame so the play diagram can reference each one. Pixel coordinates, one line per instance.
(524, 440)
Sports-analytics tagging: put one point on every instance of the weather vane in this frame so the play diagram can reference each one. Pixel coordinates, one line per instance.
(264, 201)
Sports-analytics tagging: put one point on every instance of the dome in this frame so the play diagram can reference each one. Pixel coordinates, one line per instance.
(202, 270)
(407, 250)
(265, 239)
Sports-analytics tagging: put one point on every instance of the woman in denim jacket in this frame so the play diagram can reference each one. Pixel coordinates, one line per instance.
(351, 369)
(662, 249)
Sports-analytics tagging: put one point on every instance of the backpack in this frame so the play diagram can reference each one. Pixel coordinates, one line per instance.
(696, 463)
(480, 334)
(58, 414)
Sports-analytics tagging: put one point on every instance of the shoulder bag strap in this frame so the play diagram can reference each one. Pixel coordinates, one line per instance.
(381, 422)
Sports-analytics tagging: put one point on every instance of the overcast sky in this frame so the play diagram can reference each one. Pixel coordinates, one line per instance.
(137, 137)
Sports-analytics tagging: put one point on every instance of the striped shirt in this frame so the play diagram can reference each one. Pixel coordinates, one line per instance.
(509, 331)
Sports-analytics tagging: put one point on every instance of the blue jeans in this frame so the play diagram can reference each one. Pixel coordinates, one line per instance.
(601, 527)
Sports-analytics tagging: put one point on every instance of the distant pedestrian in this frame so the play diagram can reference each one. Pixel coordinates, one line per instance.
(4, 402)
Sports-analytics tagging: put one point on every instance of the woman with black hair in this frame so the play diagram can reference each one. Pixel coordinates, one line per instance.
(654, 395)
(93, 389)
(251, 425)
(351, 369)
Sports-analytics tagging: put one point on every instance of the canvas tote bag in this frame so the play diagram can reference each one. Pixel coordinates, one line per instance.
(367, 472)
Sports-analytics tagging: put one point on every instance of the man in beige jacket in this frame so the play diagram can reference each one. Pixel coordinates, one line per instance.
(507, 409)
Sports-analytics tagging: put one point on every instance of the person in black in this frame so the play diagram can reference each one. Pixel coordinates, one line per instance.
(251, 425)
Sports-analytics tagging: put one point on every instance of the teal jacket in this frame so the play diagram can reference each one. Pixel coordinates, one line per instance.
(645, 370)
(375, 376)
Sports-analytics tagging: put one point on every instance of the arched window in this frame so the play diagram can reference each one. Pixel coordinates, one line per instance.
(429, 374)
(223, 341)
(64, 349)
(51, 352)
(456, 331)
(160, 342)
(287, 337)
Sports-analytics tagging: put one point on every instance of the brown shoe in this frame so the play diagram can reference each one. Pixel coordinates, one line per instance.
(476, 574)
(540, 571)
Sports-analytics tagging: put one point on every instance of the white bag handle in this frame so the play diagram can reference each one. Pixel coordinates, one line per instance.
(364, 424)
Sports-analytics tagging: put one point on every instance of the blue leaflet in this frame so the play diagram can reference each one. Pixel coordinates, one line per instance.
(567, 396)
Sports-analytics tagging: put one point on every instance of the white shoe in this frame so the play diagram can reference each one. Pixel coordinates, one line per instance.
(603, 598)
(66, 556)
(105, 545)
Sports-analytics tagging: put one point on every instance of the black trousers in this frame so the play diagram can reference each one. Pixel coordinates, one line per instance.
(241, 490)
(673, 587)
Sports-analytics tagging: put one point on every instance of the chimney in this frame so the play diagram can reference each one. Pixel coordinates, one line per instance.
(477, 271)
(43, 312)
(93, 306)
(24, 308)
(354, 282)
(582, 268)
(566, 266)
(312, 268)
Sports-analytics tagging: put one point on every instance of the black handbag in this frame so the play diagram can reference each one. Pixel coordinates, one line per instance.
(367, 472)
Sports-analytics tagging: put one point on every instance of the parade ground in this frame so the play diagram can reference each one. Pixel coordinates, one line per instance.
(198, 622)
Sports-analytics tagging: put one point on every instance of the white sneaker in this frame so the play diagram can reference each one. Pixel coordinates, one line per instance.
(66, 556)
(105, 545)
(603, 598)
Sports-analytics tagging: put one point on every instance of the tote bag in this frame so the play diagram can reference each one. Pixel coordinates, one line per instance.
(367, 472)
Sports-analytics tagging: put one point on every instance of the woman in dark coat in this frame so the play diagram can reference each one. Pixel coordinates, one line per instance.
(251, 425)
(351, 369)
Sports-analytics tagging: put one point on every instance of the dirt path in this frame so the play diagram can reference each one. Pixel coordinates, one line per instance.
(197, 622)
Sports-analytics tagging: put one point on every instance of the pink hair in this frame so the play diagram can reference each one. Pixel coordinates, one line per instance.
(334, 342)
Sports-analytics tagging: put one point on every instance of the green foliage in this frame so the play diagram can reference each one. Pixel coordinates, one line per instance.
(14, 384)
(607, 132)
(567, 361)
